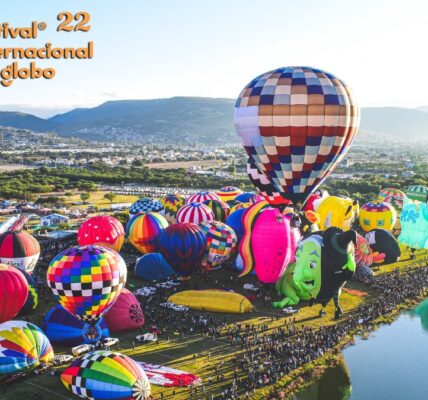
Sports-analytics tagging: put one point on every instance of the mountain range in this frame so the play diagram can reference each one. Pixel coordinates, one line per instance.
(190, 119)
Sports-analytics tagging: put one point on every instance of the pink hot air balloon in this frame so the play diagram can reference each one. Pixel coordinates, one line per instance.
(268, 244)
(125, 314)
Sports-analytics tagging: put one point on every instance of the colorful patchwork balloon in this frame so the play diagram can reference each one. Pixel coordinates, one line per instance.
(103, 230)
(228, 193)
(201, 197)
(395, 197)
(172, 203)
(108, 376)
(219, 208)
(87, 280)
(13, 292)
(183, 246)
(195, 213)
(220, 243)
(377, 215)
(23, 346)
(296, 123)
(143, 230)
(145, 205)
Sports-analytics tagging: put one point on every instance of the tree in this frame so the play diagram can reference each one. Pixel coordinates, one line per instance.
(85, 197)
(110, 197)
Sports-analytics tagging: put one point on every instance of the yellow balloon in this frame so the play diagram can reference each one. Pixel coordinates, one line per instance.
(337, 211)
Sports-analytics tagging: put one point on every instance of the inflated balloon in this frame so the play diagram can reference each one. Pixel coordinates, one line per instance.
(219, 208)
(264, 184)
(64, 329)
(125, 314)
(103, 230)
(13, 292)
(144, 229)
(220, 243)
(364, 255)
(183, 246)
(145, 205)
(228, 193)
(266, 246)
(19, 249)
(377, 215)
(195, 213)
(311, 202)
(417, 193)
(245, 197)
(236, 223)
(23, 346)
(324, 262)
(33, 295)
(87, 280)
(296, 123)
(414, 224)
(336, 212)
(395, 197)
(202, 197)
(106, 375)
(383, 242)
(239, 206)
(172, 203)
(153, 267)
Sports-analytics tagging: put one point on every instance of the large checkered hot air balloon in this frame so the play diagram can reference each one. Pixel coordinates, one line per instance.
(87, 280)
(296, 123)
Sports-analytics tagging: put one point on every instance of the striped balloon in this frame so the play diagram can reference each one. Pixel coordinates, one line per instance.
(395, 197)
(143, 230)
(417, 193)
(219, 208)
(297, 124)
(239, 206)
(195, 213)
(106, 375)
(202, 197)
(228, 193)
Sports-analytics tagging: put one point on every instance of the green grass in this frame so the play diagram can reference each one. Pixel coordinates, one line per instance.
(178, 352)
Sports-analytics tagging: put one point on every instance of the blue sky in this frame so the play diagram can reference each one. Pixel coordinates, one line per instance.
(163, 48)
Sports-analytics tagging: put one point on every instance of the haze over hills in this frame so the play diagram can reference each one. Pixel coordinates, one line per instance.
(190, 119)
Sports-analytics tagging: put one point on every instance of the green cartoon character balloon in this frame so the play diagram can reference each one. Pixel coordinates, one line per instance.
(324, 262)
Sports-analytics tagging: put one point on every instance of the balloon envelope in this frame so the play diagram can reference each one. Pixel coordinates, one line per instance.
(23, 346)
(377, 215)
(195, 213)
(19, 249)
(153, 267)
(13, 292)
(87, 280)
(33, 295)
(414, 224)
(202, 197)
(382, 241)
(172, 203)
(296, 123)
(125, 314)
(228, 193)
(219, 208)
(145, 205)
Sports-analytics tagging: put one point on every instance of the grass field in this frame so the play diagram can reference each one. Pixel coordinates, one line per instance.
(179, 351)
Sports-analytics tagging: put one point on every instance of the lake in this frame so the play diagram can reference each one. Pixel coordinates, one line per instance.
(391, 364)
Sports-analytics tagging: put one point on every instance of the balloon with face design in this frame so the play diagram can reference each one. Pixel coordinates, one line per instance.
(324, 262)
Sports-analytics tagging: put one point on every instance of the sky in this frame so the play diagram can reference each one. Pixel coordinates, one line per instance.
(162, 48)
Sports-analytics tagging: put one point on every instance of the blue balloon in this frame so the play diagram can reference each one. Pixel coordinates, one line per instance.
(33, 295)
(234, 220)
(244, 197)
(64, 329)
(153, 267)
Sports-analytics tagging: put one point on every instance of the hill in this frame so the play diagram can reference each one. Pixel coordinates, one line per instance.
(190, 120)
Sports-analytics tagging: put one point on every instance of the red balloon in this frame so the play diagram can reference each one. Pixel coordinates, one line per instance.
(125, 314)
(102, 230)
(13, 292)
(309, 205)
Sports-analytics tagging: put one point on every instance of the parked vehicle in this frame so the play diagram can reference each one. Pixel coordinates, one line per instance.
(42, 369)
(109, 342)
(82, 349)
(61, 359)
(147, 337)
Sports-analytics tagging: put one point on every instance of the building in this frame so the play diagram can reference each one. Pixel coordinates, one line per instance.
(53, 220)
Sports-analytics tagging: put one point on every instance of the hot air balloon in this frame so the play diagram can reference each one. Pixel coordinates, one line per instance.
(236, 223)
(13, 292)
(417, 193)
(153, 267)
(87, 280)
(228, 193)
(64, 329)
(172, 203)
(377, 215)
(395, 197)
(296, 123)
(23, 346)
(219, 208)
(364, 254)
(183, 246)
(264, 184)
(202, 197)
(382, 241)
(106, 375)
(103, 230)
(143, 230)
(335, 211)
(414, 224)
(33, 295)
(220, 243)
(266, 246)
(125, 314)
(19, 249)
(238, 206)
(145, 205)
(195, 213)
(249, 197)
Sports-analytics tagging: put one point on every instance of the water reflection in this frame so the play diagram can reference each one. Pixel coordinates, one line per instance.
(422, 312)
